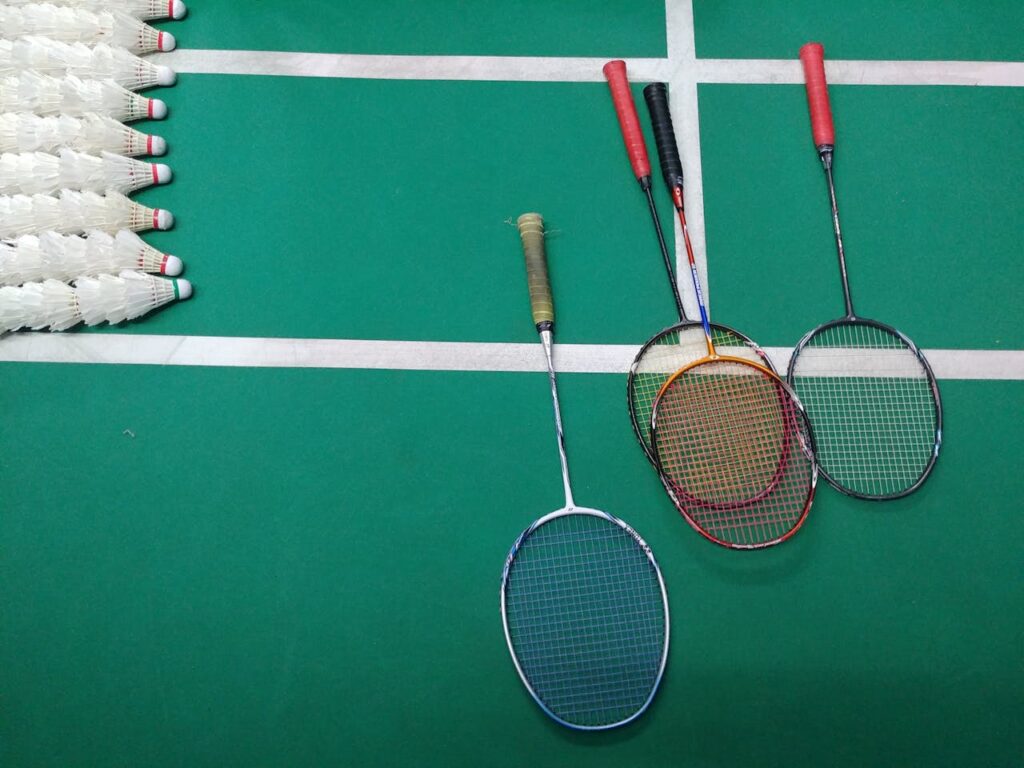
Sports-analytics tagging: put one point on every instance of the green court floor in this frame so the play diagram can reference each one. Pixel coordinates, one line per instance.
(212, 565)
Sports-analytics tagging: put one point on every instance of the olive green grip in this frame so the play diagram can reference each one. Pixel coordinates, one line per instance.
(531, 230)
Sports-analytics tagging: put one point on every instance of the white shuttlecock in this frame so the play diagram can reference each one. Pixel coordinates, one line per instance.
(26, 132)
(38, 173)
(72, 213)
(140, 9)
(50, 303)
(77, 25)
(98, 62)
(44, 95)
(39, 305)
(33, 258)
(130, 295)
(92, 300)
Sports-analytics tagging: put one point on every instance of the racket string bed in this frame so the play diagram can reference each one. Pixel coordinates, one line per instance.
(736, 452)
(668, 352)
(871, 400)
(586, 616)
(728, 430)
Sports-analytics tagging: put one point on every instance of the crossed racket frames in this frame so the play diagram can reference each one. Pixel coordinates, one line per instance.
(583, 602)
(732, 442)
(729, 437)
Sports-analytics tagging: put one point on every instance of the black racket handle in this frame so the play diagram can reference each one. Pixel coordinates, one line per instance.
(656, 96)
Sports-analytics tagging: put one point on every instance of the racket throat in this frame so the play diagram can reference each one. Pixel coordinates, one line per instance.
(547, 341)
(825, 153)
(677, 201)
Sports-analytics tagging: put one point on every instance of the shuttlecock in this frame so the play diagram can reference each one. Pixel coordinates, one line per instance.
(44, 95)
(26, 132)
(92, 300)
(32, 258)
(130, 295)
(73, 213)
(77, 25)
(98, 62)
(140, 9)
(38, 173)
(50, 303)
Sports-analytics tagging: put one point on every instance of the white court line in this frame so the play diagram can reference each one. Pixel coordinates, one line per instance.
(229, 351)
(681, 69)
(682, 56)
(538, 69)
(587, 70)
(845, 72)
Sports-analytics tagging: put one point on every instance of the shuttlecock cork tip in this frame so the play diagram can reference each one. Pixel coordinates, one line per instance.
(172, 266)
(165, 41)
(184, 289)
(178, 9)
(163, 219)
(157, 109)
(166, 76)
(157, 145)
(162, 174)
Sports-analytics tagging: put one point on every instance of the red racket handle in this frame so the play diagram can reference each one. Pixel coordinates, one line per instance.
(615, 71)
(813, 57)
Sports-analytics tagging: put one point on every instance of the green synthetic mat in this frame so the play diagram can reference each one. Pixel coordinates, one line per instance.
(207, 566)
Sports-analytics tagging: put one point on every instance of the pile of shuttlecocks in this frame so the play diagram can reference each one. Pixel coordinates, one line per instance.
(69, 75)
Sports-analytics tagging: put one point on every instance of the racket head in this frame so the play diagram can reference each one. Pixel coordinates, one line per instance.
(735, 451)
(586, 618)
(668, 351)
(874, 403)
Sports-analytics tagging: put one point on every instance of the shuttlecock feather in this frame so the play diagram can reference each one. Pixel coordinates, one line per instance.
(98, 62)
(12, 311)
(101, 299)
(45, 95)
(140, 9)
(58, 309)
(73, 25)
(26, 132)
(32, 258)
(92, 300)
(73, 213)
(38, 173)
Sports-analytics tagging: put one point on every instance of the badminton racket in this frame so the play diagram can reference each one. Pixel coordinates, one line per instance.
(583, 602)
(870, 393)
(730, 438)
(681, 343)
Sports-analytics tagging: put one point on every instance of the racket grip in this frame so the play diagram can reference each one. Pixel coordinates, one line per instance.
(531, 231)
(656, 96)
(629, 123)
(812, 55)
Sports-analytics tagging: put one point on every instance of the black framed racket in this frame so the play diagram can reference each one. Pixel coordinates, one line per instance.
(869, 392)
(683, 342)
